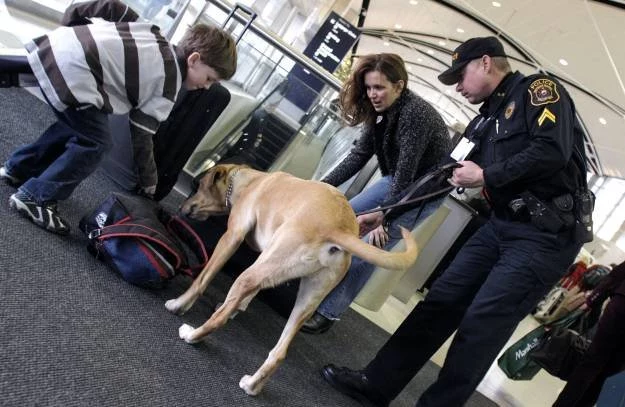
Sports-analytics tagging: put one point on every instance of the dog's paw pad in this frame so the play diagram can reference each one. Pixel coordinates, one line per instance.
(247, 384)
(185, 332)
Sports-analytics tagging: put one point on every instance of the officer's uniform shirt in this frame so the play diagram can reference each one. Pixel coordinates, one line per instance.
(524, 140)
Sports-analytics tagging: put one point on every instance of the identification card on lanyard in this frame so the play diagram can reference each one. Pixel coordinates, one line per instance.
(463, 149)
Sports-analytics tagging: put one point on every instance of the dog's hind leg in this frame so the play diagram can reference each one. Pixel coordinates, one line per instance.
(227, 245)
(312, 290)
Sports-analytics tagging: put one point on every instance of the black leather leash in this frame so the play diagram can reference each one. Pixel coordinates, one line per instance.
(406, 200)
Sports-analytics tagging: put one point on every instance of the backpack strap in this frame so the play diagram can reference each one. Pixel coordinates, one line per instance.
(141, 232)
(185, 233)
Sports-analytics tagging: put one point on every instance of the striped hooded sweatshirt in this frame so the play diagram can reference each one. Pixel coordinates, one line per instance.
(117, 67)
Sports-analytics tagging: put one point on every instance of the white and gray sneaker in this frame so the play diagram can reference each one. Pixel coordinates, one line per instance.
(8, 178)
(44, 216)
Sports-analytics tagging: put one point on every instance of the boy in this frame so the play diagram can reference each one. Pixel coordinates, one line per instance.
(89, 71)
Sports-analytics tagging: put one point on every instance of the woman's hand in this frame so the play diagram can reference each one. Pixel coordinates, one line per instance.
(378, 237)
(370, 221)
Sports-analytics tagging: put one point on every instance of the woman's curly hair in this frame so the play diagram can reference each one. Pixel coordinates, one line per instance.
(354, 103)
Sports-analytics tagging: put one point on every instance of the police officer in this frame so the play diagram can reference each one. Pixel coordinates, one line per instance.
(527, 154)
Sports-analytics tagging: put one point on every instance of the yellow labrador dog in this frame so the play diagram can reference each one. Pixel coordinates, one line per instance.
(303, 229)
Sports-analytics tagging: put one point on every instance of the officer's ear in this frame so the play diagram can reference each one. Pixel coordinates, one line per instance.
(487, 63)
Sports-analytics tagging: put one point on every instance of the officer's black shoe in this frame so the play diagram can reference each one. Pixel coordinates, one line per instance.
(353, 383)
(317, 324)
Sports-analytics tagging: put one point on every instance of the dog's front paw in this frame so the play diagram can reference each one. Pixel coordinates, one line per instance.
(186, 333)
(173, 306)
(249, 386)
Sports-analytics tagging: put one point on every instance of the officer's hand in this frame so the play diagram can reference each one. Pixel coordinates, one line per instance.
(370, 221)
(378, 237)
(470, 175)
(148, 191)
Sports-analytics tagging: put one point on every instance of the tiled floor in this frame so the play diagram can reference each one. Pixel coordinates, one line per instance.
(541, 391)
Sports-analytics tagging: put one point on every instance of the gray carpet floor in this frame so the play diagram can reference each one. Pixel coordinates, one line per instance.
(72, 333)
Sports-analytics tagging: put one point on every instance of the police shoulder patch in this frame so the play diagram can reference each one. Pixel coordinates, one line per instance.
(543, 91)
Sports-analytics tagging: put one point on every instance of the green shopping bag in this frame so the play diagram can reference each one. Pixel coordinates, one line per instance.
(516, 362)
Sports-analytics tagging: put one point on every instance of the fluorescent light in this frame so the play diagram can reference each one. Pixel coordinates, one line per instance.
(563, 62)
(430, 52)
(386, 44)
(441, 43)
(409, 68)
(496, 4)
(460, 30)
(419, 59)
(414, 2)
(398, 26)
(603, 121)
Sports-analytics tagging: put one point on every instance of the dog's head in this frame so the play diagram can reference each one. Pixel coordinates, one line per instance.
(210, 197)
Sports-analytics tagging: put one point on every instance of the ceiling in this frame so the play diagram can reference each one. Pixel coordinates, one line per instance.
(537, 34)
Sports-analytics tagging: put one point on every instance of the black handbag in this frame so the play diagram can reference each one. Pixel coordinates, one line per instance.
(561, 352)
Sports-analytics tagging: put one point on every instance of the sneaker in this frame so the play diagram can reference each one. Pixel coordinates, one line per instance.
(8, 178)
(44, 216)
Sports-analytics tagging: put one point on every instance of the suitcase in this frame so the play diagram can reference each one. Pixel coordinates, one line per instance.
(186, 126)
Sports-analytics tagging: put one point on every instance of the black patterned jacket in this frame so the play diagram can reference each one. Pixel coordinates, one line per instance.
(415, 140)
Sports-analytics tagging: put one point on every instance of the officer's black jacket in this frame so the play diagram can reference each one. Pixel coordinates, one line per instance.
(525, 136)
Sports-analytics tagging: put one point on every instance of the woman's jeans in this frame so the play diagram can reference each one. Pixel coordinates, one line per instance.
(359, 272)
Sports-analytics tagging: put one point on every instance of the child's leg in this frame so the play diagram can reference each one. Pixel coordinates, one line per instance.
(87, 139)
(31, 160)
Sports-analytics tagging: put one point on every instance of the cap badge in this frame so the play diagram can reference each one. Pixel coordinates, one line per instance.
(454, 56)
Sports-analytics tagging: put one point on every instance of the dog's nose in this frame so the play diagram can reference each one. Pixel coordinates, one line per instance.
(185, 209)
(189, 209)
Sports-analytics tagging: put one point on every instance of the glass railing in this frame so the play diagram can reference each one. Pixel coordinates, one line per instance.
(281, 123)
(275, 120)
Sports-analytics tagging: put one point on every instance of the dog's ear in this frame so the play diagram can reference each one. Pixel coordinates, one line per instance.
(216, 174)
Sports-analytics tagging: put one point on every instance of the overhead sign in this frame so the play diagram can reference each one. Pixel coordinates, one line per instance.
(328, 47)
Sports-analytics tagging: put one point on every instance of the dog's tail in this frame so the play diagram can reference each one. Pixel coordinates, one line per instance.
(379, 257)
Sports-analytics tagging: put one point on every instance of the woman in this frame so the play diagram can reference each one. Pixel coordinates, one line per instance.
(606, 354)
(408, 137)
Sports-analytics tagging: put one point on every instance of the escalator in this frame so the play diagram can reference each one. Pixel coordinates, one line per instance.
(262, 140)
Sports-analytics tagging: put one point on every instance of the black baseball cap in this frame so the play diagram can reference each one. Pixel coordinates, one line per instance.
(468, 51)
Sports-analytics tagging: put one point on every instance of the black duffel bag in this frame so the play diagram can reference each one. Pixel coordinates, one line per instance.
(141, 241)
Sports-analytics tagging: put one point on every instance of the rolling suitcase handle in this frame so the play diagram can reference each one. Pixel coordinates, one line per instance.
(246, 10)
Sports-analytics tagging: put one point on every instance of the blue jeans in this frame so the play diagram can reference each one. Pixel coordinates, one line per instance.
(496, 279)
(359, 272)
(373, 196)
(65, 154)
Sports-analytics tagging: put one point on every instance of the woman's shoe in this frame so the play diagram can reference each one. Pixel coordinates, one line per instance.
(317, 324)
